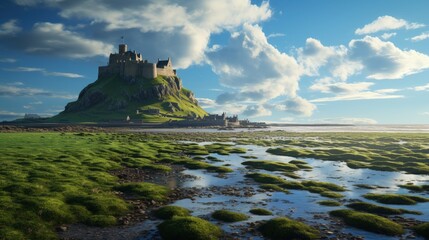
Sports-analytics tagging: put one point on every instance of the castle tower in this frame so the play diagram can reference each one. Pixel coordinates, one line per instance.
(123, 48)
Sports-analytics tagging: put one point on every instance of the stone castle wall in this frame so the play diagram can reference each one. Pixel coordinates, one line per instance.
(129, 65)
(166, 72)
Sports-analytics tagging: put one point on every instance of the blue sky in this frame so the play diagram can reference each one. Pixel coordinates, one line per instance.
(304, 61)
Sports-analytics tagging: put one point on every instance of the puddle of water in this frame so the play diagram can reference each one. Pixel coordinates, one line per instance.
(298, 204)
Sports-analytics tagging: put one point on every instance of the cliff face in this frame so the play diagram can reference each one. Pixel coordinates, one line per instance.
(113, 99)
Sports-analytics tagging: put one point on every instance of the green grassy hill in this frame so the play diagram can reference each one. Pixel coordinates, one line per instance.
(113, 99)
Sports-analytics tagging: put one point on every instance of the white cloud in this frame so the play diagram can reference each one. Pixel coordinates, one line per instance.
(383, 60)
(420, 37)
(206, 102)
(274, 35)
(213, 107)
(335, 58)
(386, 36)
(7, 60)
(45, 72)
(12, 91)
(254, 66)
(386, 23)
(256, 111)
(297, 105)
(257, 73)
(425, 113)
(421, 88)
(329, 85)
(9, 28)
(365, 95)
(54, 39)
(179, 29)
(7, 115)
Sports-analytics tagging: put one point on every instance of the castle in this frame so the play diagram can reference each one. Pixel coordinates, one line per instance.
(130, 65)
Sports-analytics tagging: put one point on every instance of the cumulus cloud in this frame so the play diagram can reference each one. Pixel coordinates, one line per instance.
(383, 60)
(45, 72)
(179, 29)
(257, 73)
(297, 105)
(420, 37)
(9, 28)
(54, 39)
(254, 66)
(315, 55)
(13, 91)
(386, 23)
(256, 111)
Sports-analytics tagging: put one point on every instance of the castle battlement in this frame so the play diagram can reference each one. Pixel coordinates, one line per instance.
(130, 65)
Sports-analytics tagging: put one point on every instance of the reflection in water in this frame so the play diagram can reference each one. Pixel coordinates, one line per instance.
(298, 204)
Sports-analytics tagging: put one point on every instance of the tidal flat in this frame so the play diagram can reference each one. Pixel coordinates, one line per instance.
(159, 185)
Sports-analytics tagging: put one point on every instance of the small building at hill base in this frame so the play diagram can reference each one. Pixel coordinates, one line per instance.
(130, 65)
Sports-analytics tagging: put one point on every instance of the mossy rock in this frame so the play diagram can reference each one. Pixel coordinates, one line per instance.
(329, 203)
(330, 194)
(271, 165)
(368, 222)
(182, 228)
(273, 188)
(260, 211)
(372, 208)
(168, 212)
(285, 228)
(395, 198)
(416, 188)
(422, 230)
(229, 216)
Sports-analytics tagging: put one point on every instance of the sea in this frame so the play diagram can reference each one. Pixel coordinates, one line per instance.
(387, 128)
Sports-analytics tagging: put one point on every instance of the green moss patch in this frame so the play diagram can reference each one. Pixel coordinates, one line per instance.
(260, 211)
(285, 228)
(395, 198)
(368, 222)
(271, 165)
(189, 228)
(422, 230)
(416, 188)
(229, 216)
(372, 208)
(279, 184)
(147, 191)
(329, 203)
(168, 212)
(101, 220)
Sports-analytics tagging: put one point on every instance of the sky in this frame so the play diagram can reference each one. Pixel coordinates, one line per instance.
(290, 61)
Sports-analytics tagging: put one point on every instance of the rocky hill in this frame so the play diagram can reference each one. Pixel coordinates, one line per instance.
(113, 99)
